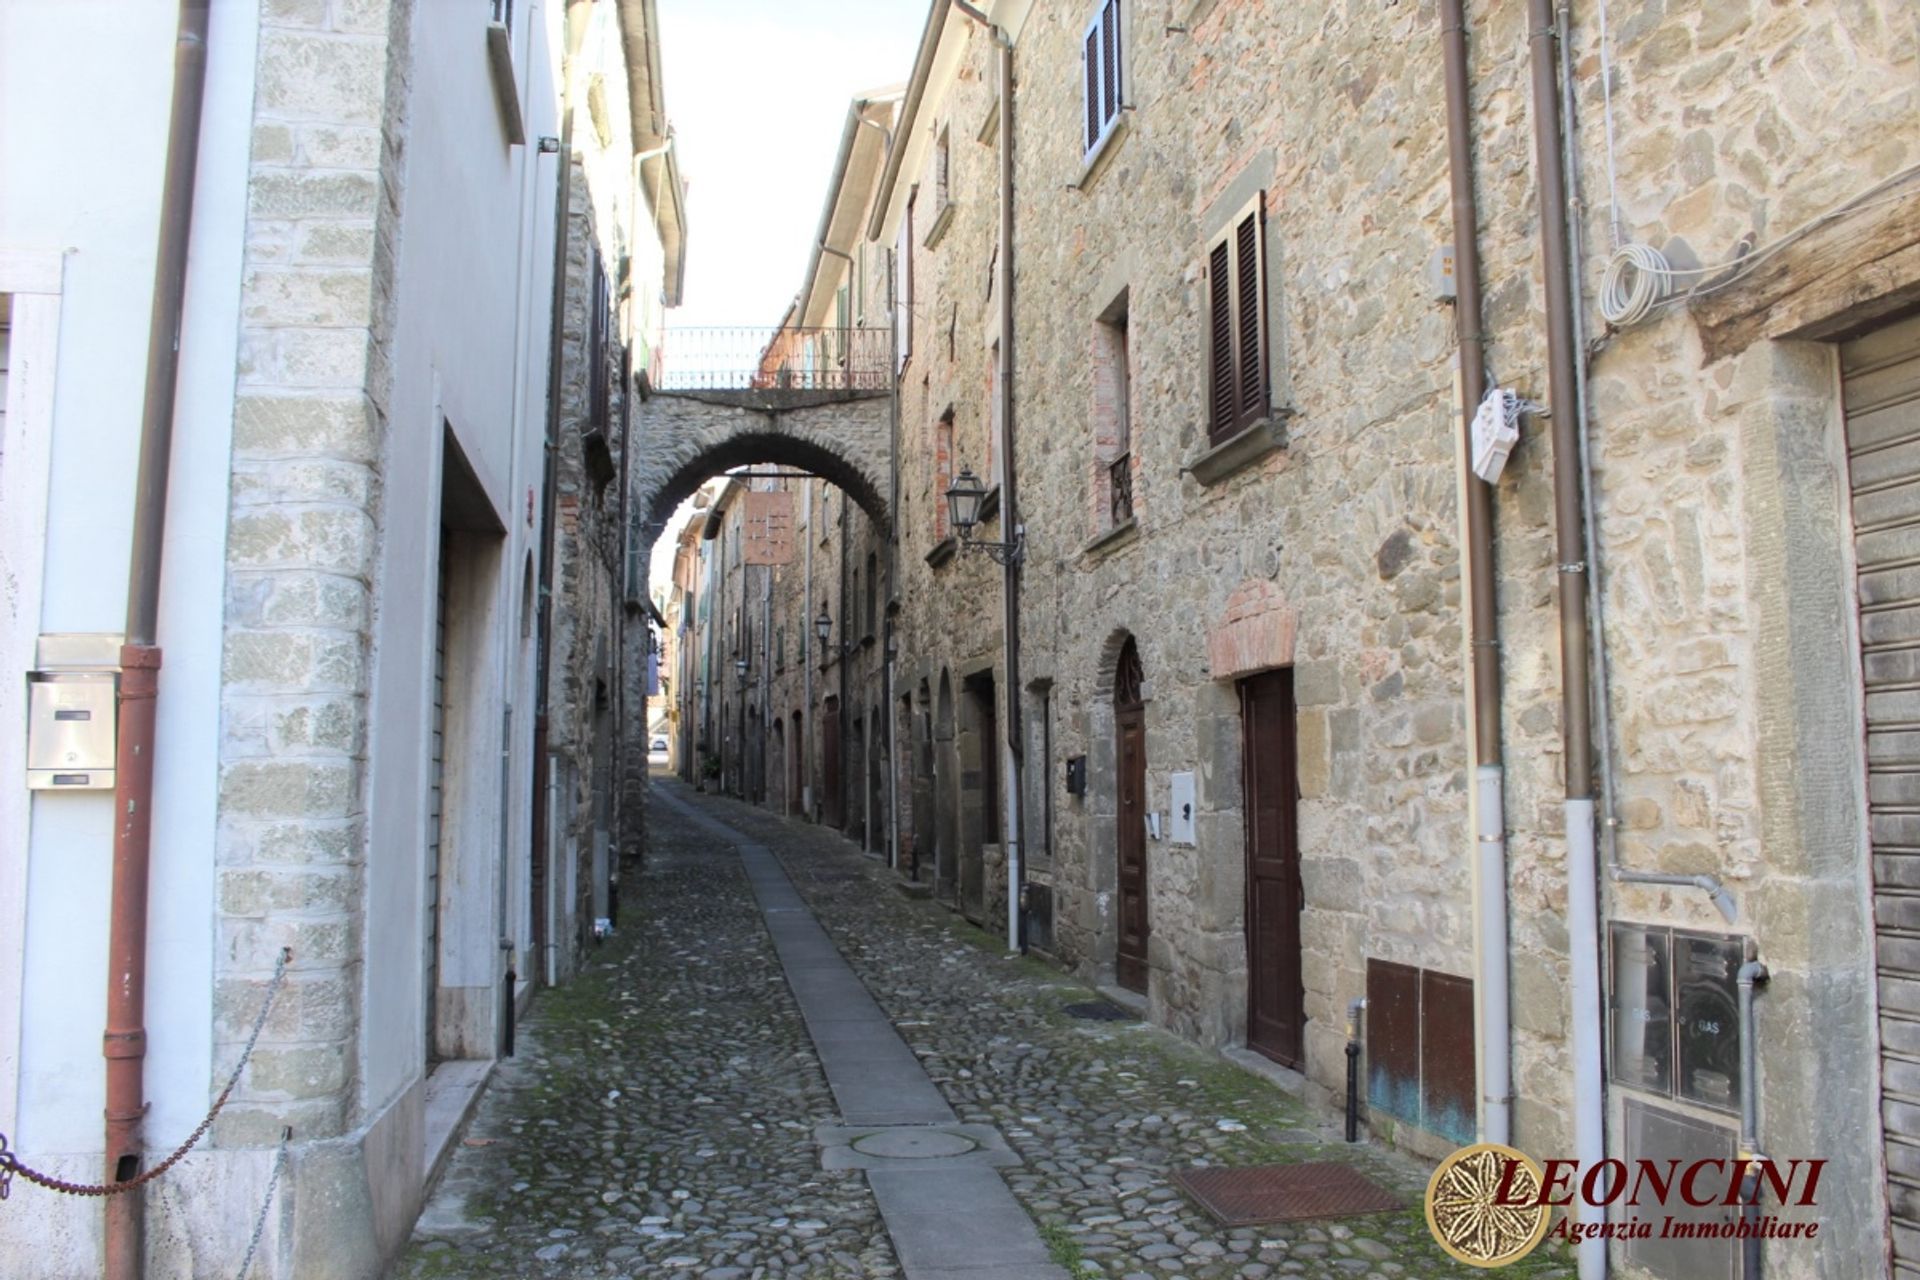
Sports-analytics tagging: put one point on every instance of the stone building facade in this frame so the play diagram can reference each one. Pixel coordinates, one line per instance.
(346, 754)
(1229, 545)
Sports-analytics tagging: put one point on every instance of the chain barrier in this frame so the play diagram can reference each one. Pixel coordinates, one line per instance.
(10, 1163)
(260, 1223)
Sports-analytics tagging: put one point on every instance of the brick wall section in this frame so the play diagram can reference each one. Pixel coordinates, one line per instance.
(308, 434)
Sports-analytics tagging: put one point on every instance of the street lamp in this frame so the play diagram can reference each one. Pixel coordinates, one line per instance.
(740, 665)
(823, 626)
(964, 500)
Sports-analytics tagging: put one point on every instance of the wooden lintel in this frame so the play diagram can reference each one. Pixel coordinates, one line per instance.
(1860, 270)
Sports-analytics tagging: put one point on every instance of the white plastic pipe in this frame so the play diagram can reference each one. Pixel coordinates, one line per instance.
(1009, 773)
(1583, 963)
(1496, 1037)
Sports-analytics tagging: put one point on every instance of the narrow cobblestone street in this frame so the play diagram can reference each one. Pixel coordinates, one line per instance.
(659, 1119)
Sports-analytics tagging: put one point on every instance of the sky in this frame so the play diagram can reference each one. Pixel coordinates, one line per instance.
(757, 91)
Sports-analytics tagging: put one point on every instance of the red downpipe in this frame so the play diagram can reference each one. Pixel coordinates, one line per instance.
(125, 1042)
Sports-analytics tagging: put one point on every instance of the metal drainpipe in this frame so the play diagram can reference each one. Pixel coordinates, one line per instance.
(125, 1041)
(1583, 889)
(1490, 842)
(1010, 508)
(545, 797)
(1749, 973)
(1710, 885)
(1013, 756)
(892, 531)
(809, 645)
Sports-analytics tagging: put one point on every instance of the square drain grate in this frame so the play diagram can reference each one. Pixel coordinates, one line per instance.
(1285, 1192)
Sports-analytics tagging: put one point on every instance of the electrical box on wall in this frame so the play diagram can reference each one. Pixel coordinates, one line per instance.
(1182, 806)
(1675, 1013)
(72, 705)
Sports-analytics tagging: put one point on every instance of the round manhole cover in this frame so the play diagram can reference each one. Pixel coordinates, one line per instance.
(914, 1144)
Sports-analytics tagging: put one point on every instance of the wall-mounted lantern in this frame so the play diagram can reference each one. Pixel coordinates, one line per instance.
(964, 500)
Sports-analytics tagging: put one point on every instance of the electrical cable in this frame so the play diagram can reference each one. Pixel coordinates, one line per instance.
(1639, 279)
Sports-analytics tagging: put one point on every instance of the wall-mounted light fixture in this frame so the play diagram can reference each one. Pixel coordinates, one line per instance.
(823, 626)
(964, 500)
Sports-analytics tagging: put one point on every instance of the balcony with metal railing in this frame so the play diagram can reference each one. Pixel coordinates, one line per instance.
(774, 366)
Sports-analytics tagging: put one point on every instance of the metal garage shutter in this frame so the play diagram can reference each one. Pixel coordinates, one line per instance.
(1881, 386)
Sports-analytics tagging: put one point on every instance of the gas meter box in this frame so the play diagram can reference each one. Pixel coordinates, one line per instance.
(71, 713)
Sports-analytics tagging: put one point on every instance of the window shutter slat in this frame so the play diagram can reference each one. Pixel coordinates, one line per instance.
(1093, 87)
(1221, 389)
(1247, 296)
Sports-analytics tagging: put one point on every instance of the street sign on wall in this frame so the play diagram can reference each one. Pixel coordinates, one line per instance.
(769, 528)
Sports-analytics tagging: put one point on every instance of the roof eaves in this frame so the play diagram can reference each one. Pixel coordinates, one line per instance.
(909, 112)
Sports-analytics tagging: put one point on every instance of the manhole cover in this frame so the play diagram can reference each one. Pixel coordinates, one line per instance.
(914, 1144)
(1099, 1011)
(1285, 1192)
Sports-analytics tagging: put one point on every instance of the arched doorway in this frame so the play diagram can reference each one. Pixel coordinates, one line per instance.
(1130, 818)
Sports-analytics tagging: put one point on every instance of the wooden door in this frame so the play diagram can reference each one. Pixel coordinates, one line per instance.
(1130, 818)
(830, 793)
(796, 755)
(1276, 1012)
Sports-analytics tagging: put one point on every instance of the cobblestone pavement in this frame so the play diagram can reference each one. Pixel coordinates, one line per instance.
(658, 1118)
(703, 1165)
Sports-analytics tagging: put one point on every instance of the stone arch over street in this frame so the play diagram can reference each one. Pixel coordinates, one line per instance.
(684, 439)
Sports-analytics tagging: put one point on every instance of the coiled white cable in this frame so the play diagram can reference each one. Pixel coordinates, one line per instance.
(1638, 279)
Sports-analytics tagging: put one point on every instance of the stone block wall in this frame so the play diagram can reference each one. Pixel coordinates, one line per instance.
(1349, 534)
(309, 434)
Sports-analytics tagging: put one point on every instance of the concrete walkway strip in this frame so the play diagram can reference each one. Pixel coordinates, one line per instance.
(950, 1215)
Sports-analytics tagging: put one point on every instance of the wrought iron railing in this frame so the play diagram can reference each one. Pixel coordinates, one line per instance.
(1120, 489)
(775, 360)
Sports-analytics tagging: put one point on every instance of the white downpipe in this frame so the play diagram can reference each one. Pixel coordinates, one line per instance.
(552, 904)
(808, 643)
(893, 759)
(1583, 962)
(1011, 839)
(1496, 1037)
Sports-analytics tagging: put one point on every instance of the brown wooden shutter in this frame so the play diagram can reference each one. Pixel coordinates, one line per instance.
(1093, 87)
(1237, 376)
(1250, 320)
(1220, 380)
(1110, 46)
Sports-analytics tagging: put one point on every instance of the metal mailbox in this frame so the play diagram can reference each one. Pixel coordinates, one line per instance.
(72, 701)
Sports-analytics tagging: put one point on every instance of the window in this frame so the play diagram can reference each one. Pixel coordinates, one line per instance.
(503, 12)
(873, 579)
(903, 284)
(1101, 59)
(937, 173)
(942, 474)
(1237, 325)
(598, 392)
(942, 159)
(1112, 418)
(994, 416)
